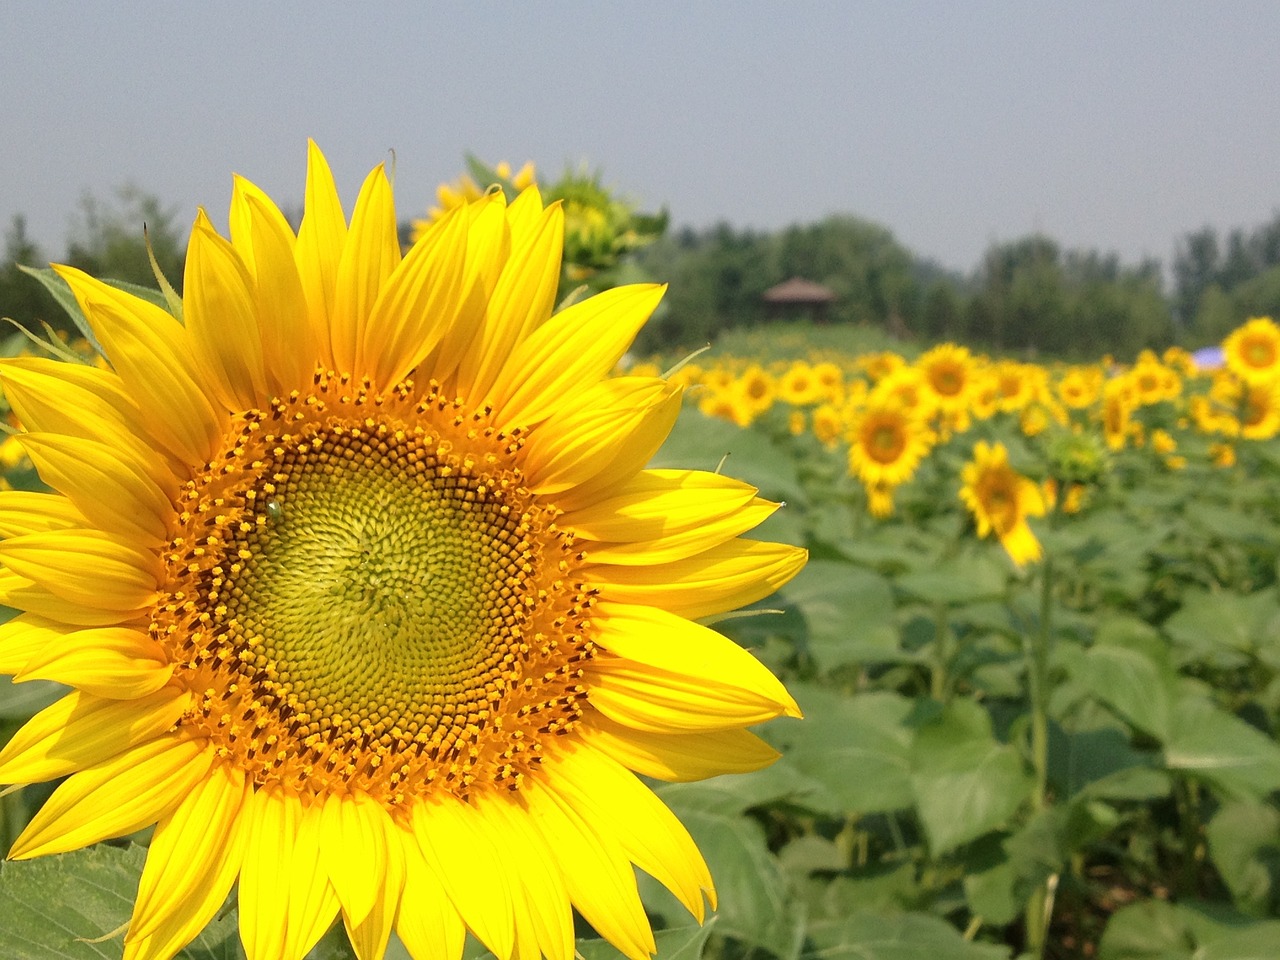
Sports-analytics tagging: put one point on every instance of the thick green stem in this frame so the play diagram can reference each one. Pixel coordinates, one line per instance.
(1036, 650)
(940, 673)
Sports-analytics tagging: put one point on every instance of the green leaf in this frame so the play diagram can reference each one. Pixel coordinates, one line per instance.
(848, 613)
(21, 700)
(955, 583)
(965, 782)
(907, 936)
(1132, 680)
(699, 442)
(674, 943)
(1222, 749)
(858, 748)
(1224, 629)
(1149, 930)
(1244, 843)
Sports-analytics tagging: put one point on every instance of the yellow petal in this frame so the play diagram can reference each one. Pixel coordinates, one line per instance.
(544, 915)
(417, 304)
(312, 901)
(289, 350)
(250, 202)
(152, 354)
(725, 577)
(322, 236)
(126, 793)
(82, 730)
(25, 511)
(113, 662)
(679, 757)
(462, 857)
(25, 636)
(658, 504)
(604, 792)
(522, 299)
(193, 859)
(265, 874)
(218, 307)
(598, 875)
(570, 352)
(50, 396)
(111, 492)
(682, 542)
(427, 923)
(369, 937)
(353, 850)
(23, 594)
(86, 567)
(371, 253)
(607, 436)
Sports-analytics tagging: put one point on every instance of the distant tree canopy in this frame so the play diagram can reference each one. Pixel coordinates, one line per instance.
(1216, 285)
(1026, 296)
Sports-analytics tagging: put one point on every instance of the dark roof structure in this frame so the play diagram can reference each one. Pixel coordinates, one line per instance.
(797, 290)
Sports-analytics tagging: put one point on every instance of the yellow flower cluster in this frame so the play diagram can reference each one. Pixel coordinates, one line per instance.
(890, 411)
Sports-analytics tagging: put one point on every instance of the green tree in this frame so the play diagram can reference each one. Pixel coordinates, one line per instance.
(109, 238)
(22, 298)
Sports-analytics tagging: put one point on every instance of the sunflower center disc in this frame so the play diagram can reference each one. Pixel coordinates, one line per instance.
(374, 601)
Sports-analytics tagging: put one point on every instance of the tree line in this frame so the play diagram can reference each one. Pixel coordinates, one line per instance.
(1028, 296)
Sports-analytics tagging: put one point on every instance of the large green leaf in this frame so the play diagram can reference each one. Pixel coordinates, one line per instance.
(905, 936)
(1155, 930)
(1222, 749)
(1244, 842)
(1132, 677)
(848, 613)
(699, 442)
(965, 782)
(54, 908)
(1224, 629)
(858, 748)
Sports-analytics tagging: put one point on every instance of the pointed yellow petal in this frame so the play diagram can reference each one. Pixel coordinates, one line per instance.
(111, 492)
(607, 436)
(543, 913)
(321, 239)
(25, 511)
(25, 636)
(50, 396)
(194, 857)
(152, 354)
(87, 567)
(570, 352)
(488, 243)
(371, 254)
(265, 878)
(369, 937)
(604, 792)
(113, 662)
(427, 922)
(249, 202)
(521, 301)
(600, 880)
(218, 307)
(461, 855)
(417, 304)
(657, 504)
(684, 541)
(126, 793)
(23, 594)
(289, 349)
(312, 900)
(82, 730)
(725, 577)
(354, 851)
(679, 757)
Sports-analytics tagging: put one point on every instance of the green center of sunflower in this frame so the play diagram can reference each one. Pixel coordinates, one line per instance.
(1260, 353)
(365, 594)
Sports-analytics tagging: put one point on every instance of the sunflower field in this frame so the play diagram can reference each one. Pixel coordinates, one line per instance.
(367, 601)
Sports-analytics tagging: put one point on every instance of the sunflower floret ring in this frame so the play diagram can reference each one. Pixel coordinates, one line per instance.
(367, 598)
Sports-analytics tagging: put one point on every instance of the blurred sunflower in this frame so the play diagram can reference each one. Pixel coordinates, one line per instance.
(1079, 386)
(887, 444)
(366, 597)
(949, 375)
(1001, 500)
(1252, 350)
(798, 386)
(465, 190)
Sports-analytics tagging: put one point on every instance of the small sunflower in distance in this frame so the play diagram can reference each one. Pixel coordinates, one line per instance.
(367, 599)
(1001, 499)
(1252, 350)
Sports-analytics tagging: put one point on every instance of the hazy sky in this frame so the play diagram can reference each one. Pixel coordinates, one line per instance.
(1117, 125)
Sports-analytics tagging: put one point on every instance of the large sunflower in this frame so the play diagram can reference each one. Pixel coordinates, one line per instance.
(366, 596)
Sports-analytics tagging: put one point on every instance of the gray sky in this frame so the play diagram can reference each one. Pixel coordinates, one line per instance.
(1115, 125)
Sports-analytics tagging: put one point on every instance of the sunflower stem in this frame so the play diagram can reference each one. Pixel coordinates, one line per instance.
(939, 677)
(1036, 649)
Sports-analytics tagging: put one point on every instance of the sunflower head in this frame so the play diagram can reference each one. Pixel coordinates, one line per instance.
(365, 594)
(1001, 500)
(1252, 350)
